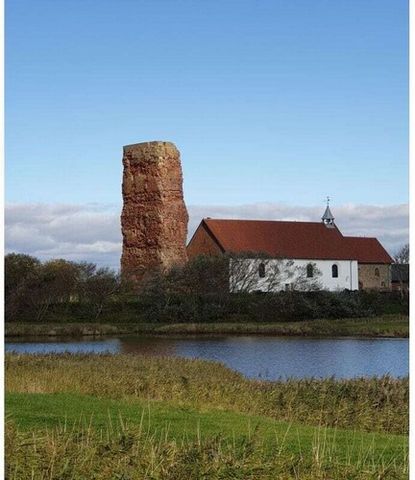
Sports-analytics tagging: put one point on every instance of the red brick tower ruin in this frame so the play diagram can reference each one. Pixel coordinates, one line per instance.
(154, 216)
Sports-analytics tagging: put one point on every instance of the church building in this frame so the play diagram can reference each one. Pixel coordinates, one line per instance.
(318, 249)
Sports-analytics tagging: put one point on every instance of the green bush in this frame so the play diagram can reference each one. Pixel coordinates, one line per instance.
(198, 292)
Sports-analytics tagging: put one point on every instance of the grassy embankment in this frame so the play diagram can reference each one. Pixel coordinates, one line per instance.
(382, 326)
(134, 417)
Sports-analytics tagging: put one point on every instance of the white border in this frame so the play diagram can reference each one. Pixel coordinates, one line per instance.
(411, 227)
(2, 475)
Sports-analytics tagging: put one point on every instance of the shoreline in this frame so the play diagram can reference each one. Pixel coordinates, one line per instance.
(386, 326)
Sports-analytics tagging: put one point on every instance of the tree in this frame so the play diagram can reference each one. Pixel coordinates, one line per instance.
(17, 268)
(402, 256)
(86, 271)
(20, 270)
(57, 283)
(190, 291)
(202, 275)
(400, 269)
(62, 278)
(53, 282)
(252, 271)
(100, 287)
(303, 282)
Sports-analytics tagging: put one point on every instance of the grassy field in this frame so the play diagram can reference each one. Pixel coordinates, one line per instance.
(366, 404)
(226, 435)
(384, 326)
(131, 417)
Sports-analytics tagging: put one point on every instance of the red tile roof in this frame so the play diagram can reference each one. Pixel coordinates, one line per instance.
(367, 250)
(302, 240)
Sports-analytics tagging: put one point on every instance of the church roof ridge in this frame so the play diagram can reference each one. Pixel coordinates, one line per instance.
(293, 239)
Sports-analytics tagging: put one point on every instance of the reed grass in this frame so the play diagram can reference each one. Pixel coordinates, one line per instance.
(384, 326)
(119, 451)
(46, 411)
(122, 417)
(375, 404)
(381, 326)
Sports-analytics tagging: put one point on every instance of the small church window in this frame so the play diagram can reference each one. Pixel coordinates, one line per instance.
(377, 272)
(310, 270)
(261, 270)
(334, 271)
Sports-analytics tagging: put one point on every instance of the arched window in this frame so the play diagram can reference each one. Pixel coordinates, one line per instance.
(261, 270)
(334, 271)
(310, 270)
(377, 272)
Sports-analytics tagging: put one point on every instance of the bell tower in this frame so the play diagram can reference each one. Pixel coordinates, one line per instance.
(327, 217)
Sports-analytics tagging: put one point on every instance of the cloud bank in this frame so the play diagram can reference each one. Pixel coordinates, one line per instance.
(93, 233)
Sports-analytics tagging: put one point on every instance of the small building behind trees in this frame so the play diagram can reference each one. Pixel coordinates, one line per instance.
(285, 255)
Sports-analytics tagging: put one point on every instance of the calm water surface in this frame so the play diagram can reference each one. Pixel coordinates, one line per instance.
(255, 356)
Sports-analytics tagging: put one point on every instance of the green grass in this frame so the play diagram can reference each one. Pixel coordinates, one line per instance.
(135, 417)
(382, 326)
(48, 411)
(377, 404)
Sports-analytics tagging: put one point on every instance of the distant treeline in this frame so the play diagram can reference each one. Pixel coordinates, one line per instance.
(60, 290)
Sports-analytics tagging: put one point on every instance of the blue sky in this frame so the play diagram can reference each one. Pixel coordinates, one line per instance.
(268, 101)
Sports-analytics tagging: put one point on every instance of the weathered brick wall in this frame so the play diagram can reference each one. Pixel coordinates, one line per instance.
(154, 217)
(369, 280)
(202, 244)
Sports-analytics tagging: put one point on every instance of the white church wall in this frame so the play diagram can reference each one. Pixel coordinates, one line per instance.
(291, 274)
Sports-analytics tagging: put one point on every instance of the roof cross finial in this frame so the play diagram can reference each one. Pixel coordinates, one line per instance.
(328, 200)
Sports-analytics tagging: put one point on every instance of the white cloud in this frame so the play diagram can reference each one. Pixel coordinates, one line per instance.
(92, 232)
(76, 232)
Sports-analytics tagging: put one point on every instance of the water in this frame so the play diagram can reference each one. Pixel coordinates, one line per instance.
(263, 357)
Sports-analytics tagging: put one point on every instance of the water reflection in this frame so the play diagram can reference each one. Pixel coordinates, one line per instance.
(254, 356)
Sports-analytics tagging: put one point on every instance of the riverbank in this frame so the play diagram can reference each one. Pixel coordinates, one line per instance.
(102, 417)
(382, 326)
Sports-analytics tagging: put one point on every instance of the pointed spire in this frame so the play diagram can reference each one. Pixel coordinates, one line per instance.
(328, 218)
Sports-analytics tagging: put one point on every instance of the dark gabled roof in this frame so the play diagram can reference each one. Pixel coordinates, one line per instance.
(400, 272)
(287, 239)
